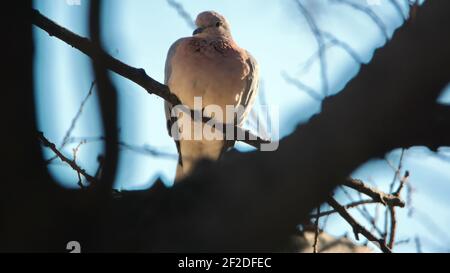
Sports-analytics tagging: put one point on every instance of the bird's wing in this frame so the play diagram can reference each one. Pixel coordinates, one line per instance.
(167, 74)
(248, 96)
(167, 105)
(251, 87)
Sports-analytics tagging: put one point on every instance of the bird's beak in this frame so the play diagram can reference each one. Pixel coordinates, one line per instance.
(198, 31)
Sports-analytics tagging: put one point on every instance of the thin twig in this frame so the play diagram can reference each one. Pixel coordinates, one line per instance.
(316, 232)
(364, 212)
(182, 12)
(73, 123)
(391, 241)
(357, 228)
(403, 182)
(145, 150)
(418, 244)
(332, 41)
(348, 206)
(75, 152)
(390, 211)
(377, 195)
(320, 44)
(301, 86)
(369, 12)
(63, 158)
(77, 115)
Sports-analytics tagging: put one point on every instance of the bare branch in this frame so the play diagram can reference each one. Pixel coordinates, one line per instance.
(77, 115)
(372, 15)
(333, 41)
(73, 123)
(75, 152)
(391, 241)
(297, 83)
(108, 104)
(364, 212)
(357, 228)
(147, 150)
(320, 44)
(348, 206)
(63, 158)
(403, 182)
(136, 75)
(375, 194)
(83, 44)
(316, 231)
(418, 244)
(182, 12)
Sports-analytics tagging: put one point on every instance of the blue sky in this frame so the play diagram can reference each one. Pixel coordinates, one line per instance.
(139, 32)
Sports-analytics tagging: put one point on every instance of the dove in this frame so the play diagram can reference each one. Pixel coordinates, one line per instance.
(211, 66)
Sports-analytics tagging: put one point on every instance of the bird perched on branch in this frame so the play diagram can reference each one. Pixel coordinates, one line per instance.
(208, 65)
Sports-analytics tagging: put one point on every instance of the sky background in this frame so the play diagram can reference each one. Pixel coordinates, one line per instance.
(140, 32)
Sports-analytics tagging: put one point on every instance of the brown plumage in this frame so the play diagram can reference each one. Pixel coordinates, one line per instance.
(212, 66)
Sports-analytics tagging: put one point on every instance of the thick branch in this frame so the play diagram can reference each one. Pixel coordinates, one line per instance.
(264, 195)
(250, 201)
(84, 45)
(108, 104)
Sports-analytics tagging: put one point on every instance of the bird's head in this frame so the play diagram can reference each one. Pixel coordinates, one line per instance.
(211, 23)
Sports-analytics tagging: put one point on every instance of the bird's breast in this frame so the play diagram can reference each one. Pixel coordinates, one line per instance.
(214, 70)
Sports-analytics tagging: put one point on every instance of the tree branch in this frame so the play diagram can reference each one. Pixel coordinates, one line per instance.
(47, 143)
(375, 194)
(357, 228)
(247, 201)
(136, 75)
(84, 45)
(348, 206)
(108, 103)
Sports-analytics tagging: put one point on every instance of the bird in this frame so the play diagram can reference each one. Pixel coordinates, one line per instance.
(208, 65)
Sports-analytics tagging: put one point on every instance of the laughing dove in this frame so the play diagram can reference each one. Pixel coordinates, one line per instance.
(209, 65)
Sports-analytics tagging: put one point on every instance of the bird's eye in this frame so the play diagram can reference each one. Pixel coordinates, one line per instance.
(218, 24)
